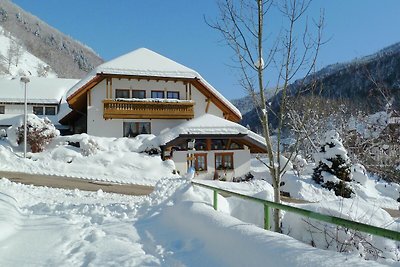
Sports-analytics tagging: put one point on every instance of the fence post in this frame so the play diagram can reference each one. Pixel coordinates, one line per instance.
(215, 204)
(266, 217)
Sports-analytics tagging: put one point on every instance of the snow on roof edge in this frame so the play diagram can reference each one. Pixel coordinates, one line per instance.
(185, 73)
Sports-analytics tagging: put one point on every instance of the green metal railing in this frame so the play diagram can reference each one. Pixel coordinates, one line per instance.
(307, 213)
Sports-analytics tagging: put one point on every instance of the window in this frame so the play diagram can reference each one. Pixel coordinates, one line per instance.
(38, 110)
(157, 94)
(132, 129)
(139, 94)
(172, 95)
(121, 93)
(200, 144)
(200, 162)
(219, 144)
(2, 109)
(223, 161)
(50, 110)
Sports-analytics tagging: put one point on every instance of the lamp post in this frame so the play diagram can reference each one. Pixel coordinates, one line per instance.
(25, 80)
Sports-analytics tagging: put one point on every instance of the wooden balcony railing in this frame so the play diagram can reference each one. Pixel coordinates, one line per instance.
(116, 109)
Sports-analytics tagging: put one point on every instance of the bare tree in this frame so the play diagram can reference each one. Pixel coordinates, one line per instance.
(293, 51)
(14, 53)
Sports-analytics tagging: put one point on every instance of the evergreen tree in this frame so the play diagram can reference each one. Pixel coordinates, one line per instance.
(333, 169)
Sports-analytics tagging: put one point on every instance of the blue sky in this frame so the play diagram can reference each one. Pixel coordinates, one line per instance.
(176, 29)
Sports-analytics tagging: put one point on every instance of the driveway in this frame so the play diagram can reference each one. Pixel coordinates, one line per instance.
(72, 183)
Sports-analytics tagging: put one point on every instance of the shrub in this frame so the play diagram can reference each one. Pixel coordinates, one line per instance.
(39, 133)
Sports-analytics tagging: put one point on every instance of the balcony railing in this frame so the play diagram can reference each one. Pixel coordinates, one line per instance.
(147, 109)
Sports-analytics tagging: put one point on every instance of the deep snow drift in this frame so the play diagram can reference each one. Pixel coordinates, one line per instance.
(174, 226)
(88, 218)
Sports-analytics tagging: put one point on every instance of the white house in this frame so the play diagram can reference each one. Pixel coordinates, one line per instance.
(143, 92)
(44, 98)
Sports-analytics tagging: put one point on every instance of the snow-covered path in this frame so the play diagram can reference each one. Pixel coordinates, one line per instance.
(174, 226)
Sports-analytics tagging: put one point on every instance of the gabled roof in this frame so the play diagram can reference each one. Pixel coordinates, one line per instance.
(39, 90)
(146, 63)
(210, 125)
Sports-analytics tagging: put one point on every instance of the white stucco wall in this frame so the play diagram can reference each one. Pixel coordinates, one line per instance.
(241, 164)
(201, 105)
(19, 109)
(97, 125)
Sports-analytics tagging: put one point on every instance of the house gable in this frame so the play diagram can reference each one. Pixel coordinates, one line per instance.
(146, 65)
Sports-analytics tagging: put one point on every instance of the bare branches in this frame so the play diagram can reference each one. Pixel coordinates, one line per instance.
(242, 25)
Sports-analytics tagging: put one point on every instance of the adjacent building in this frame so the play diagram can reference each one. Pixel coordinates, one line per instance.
(45, 98)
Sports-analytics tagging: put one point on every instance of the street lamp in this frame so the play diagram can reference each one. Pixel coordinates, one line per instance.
(25, 80)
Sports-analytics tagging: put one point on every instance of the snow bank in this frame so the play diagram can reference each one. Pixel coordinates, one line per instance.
(116, 160)
(199, 236)
(341, 239)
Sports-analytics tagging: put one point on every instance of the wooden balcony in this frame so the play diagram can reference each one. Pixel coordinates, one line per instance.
(116, 109)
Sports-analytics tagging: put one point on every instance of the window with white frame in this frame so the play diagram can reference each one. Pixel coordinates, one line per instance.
(38, 110)
(2, 109)
(50, 110)
(44, 110)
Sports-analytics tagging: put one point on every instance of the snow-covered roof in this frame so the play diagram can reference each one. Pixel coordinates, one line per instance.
(207, 124)
(39, 90)
(144, 62)
(13, 119)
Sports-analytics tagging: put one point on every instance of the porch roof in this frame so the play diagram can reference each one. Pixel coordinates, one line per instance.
(211, 126)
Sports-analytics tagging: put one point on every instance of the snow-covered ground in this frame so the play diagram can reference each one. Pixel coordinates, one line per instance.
(104, 159)
(175, 225)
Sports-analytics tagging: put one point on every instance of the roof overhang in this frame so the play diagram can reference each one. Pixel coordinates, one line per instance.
(77, 100)
(252, 144)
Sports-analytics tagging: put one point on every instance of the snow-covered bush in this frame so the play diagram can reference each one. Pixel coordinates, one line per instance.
(88, 146)
(333, 170)
(359, 174)
(299, 164)
(3, 133)
(40, 131)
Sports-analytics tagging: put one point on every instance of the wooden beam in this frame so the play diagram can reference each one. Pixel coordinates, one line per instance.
(208, 100)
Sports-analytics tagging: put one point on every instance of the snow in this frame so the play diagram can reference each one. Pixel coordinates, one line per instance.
(174, 226)
(27, 64)
(104, 159)
(206, 124)
(39, 90)
(144, 62)
(154, 100)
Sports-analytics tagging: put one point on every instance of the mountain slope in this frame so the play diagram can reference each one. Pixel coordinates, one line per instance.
(369, 83)
(67, 57)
